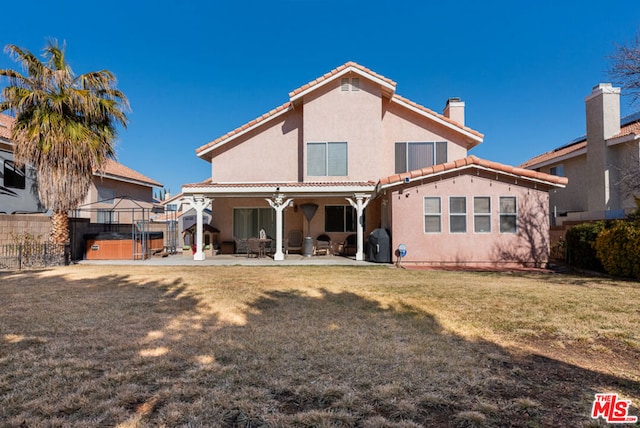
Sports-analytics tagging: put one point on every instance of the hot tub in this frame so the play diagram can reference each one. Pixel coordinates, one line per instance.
(120, 246)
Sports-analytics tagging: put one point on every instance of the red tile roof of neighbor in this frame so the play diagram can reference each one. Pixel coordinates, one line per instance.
(473, 161)
(628, 128)
(116, 170)
(318, 81)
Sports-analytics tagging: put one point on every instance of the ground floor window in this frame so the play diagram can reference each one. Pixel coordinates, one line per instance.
(482, 214)
(508, 214)
(105, 216)
(458, 214)
(432, 215)
(247, 222)
(341, 218)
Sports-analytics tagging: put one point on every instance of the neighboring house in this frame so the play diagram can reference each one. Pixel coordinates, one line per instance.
(18, 187)
(119, 195)
(602, 166)
(368, 158)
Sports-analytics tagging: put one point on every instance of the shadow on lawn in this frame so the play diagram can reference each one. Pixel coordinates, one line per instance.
(117, 352)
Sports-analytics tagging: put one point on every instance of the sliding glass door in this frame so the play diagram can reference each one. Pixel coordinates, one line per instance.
(247, 222)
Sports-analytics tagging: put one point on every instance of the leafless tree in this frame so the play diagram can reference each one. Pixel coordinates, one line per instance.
(625, 67)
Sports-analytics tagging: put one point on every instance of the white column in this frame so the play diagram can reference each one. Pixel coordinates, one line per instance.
(279, 204)
(360, 203)
(199, 203)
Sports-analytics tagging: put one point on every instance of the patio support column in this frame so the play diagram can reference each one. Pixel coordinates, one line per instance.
(360, 203)
(198, 203)
(279, 204)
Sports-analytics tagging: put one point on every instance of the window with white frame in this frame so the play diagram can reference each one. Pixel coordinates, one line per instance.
(432, 214)
(458, 214)
(415, 155)
(327, 159)
(482, 214)
(340, 218)
(508, 214)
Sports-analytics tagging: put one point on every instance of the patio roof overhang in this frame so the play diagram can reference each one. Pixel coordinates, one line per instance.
(290, 190)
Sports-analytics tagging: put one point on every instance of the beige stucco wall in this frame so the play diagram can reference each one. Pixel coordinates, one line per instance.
(527, 247)
(333, 115)
(268, 153)
(126, 209)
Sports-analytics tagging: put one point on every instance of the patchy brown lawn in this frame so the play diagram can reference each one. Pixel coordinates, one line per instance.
(142, 346)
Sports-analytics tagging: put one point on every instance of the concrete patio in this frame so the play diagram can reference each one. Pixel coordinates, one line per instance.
(232, 259)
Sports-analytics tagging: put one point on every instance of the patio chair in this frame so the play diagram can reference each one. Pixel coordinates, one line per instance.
(254, 247)
(349, 246)
(241, 245)
(324, 245)
(294, 241)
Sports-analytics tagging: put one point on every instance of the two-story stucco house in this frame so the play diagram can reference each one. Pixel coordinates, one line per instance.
(368, 158)
(598, 164)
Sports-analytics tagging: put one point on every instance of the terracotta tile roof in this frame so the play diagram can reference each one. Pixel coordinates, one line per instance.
(440, 116)
(336, 71)
(318, 81)
(117, 170)
(629, 125)
(6, 123)
(554, 154)
(473, 161)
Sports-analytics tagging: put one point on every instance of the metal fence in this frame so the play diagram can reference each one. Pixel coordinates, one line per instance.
(32, 255)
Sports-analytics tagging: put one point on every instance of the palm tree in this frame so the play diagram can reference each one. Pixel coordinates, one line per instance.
(65, 126)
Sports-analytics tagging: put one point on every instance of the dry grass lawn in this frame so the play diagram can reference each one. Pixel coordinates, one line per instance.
(136, 346)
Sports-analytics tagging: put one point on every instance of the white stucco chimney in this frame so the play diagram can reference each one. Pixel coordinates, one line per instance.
(454, 110)
(603, 122)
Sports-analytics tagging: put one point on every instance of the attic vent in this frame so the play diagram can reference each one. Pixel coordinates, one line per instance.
(355, 84)
(344, 86)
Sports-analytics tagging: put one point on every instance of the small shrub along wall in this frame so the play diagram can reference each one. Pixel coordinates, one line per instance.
(618, 248)
(581, 251)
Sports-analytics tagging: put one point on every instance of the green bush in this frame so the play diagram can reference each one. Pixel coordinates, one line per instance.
(618, 248)
(581, 251)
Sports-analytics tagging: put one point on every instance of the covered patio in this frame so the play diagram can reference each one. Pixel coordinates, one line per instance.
(241, 211)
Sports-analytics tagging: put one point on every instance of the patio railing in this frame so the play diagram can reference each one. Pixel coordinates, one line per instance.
(32, 255)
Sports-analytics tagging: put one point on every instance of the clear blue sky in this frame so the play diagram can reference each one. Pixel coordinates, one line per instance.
(194, 70)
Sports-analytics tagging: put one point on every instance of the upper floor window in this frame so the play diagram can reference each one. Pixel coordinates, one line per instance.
(14, 177)
(106, 196)
(557, 170)
(508, 214)
(352, 84)
(410, 156)
(327, 159)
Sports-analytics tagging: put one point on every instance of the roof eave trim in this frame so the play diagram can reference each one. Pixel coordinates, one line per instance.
(341, 73)
(623, 139)
(438, 120)
(243, 132)
(472, 166)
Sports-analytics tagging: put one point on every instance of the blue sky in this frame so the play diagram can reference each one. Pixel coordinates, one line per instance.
(194, 70)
